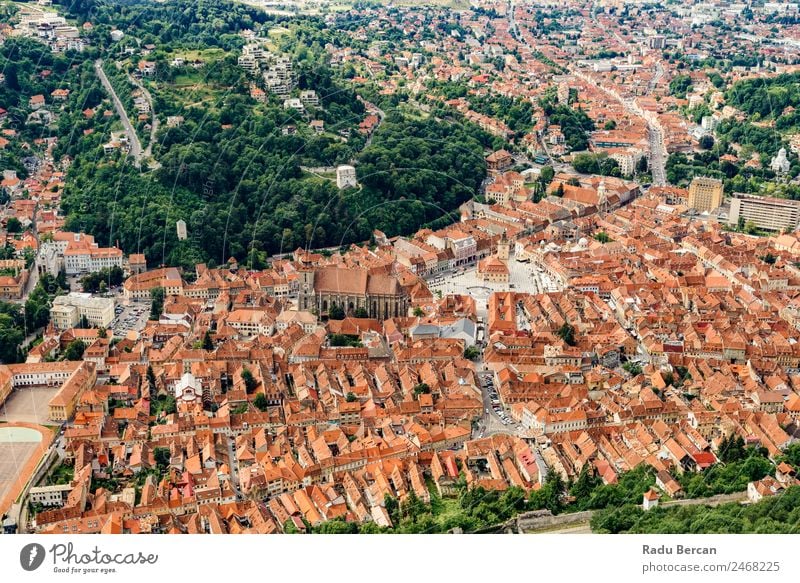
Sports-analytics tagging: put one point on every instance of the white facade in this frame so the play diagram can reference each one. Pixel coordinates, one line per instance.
(68, 310)
(346, 177)
(780, 164)
(180, 227)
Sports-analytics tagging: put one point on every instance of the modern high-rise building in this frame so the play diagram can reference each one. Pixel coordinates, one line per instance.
(705, 194)
(771, 214)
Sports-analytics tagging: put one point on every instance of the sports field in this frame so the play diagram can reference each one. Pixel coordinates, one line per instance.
(21, 447)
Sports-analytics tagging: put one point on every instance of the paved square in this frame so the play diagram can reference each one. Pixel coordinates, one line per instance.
(523, 277)
(28, 405)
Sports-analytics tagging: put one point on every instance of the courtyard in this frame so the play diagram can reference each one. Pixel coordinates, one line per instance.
(28, 405)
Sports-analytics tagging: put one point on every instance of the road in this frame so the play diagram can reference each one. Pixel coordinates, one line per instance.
(657, 76)
(658, 153)
(655, 134)
(490, 422)
(233, 466)
(148, 151)
(133, 139)
(512, 23)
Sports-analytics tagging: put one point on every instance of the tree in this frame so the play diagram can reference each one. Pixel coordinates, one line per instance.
(250, 382)
(151, 380)
(633, 368)
(208, 344)
(13, 225)
(75, 350)
(731, 449)
(418, 312)
(602, 237)
(351, 397)
(471, 352)
(422, 388)
(547, 174)
(551, 495)
(162, 457)
(361, 313)
(706, 142)
(157, 296)
(260, 402)
(567, 333)
(336, 312)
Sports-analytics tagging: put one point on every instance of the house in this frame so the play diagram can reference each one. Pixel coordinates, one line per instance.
(36, 102)
(650, 499)
(499, 161)
(668, 484)
(767, 486)
(146, 68)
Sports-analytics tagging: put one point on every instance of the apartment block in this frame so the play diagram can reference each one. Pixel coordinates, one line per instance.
(771, 214)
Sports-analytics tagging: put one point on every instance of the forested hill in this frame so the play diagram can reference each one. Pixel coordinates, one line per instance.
(243, 173)
(765, 96)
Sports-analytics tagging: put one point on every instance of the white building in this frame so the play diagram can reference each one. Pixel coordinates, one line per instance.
(188, 389)
(309, 97)
(346, 177)
(82, 255)
(180, 227)
(68, 310)
(50, 495)
(780, 164)
(709, 123)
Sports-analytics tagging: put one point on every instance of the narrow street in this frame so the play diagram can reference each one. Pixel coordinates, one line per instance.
(133, 139)
(655, 136)
(148, 151)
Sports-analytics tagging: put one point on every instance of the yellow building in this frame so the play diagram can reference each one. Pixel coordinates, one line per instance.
(492, 270)
(705, 194)
(62, 405)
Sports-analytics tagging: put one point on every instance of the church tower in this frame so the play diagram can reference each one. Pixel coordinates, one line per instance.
(503, 248)
(307, 300)
(602, 197)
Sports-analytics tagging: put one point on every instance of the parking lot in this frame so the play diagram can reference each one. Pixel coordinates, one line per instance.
(495, 419)
(130, 317)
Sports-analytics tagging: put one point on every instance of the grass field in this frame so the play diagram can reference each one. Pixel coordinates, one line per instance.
(207, 55)
(188, 80)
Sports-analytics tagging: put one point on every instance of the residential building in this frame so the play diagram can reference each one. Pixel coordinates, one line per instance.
(705, 194)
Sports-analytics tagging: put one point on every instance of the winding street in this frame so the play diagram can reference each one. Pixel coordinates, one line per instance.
(133, 139)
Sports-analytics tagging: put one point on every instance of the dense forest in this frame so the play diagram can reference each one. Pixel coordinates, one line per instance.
(240, 173)
(574, 122)
(184, 23)
(765, 96)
